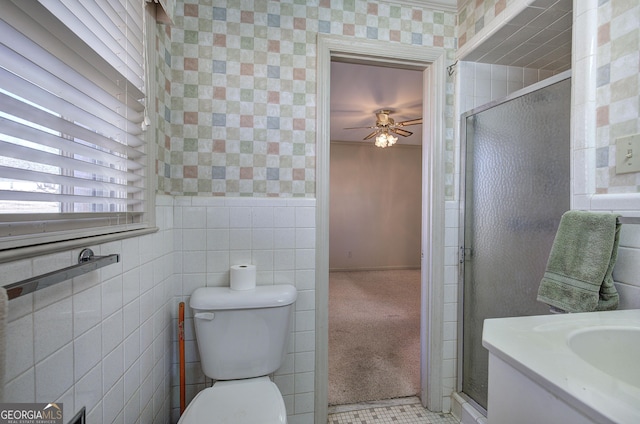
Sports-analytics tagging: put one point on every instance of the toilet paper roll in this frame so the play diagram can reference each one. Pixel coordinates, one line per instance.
(243, 277)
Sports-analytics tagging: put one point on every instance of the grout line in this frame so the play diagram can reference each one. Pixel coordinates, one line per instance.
(337, 409)
(399, 411)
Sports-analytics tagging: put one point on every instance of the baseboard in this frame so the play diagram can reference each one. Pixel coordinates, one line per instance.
(465, 412)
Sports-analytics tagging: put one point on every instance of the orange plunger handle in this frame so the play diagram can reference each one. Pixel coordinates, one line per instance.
(181, 349)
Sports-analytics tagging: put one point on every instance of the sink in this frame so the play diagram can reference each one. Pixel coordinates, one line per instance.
(564, 368)
(611, 349)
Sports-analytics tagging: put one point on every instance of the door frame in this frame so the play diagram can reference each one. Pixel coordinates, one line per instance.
(432, 60)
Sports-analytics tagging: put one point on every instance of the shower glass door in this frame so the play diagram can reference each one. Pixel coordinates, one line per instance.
(516, 160)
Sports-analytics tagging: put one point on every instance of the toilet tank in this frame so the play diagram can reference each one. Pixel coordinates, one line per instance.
(242, 333)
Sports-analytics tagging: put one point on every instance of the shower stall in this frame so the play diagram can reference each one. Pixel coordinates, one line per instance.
(514, 189)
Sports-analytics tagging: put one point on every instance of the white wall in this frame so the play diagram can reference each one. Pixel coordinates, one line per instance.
(108, 340)
(627, 270)
(101, 340)
(481, 83)
(276, 235)
(375, 207)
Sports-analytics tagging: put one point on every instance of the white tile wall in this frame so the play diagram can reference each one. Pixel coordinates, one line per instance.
(107, 340)
(276, 235)
(93, 341)
(450, 322)
(481, 83)
(627, 270)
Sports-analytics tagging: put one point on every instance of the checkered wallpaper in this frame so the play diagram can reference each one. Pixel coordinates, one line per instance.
(475, 15)
(239, 97)
(237, 83)
(163, 109)
(618, 90)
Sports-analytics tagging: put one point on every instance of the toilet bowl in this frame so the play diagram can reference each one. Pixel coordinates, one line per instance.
(251, 401)
(242, 337)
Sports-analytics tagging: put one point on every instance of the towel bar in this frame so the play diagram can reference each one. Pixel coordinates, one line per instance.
(629, 219)
(87, 262)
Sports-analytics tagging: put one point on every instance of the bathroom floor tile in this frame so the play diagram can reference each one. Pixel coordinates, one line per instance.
(395, 414)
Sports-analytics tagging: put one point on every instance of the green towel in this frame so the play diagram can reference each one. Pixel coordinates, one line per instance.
(578, 275)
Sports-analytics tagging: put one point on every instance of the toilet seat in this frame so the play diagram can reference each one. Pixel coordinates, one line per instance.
(250, 401)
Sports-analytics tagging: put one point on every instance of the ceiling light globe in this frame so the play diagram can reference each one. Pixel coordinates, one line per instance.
(385, 140)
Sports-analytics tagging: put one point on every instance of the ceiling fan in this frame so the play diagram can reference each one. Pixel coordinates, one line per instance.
(386, 125)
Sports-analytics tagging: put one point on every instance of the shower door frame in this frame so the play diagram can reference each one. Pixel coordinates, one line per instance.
(462, 207)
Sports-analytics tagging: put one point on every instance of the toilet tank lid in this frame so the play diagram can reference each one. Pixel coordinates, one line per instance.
(221, 298)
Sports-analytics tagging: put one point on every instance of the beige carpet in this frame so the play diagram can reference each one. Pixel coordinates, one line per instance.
(374, 335)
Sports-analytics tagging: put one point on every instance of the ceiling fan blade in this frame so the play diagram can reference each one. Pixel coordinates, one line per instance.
(401, 132)
(358, 128)
(373, 134)
(410, 122)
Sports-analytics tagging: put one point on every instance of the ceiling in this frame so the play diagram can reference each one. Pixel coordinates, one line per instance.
(358, 91)
(539, 37)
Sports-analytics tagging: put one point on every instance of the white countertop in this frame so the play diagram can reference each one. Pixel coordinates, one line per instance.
(537, 346)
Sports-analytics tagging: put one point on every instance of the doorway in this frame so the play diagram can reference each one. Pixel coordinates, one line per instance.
(374, 234)
(432, 260)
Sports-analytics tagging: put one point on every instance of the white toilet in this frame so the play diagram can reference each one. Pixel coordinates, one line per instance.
(242, 338)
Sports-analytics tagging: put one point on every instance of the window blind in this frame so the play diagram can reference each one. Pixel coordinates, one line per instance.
(72, 116)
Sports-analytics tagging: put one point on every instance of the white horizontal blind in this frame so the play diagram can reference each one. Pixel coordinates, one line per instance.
(112, 28)
(72, 152)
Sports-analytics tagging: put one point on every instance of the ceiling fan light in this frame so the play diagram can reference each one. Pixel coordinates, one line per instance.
(384, 140)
